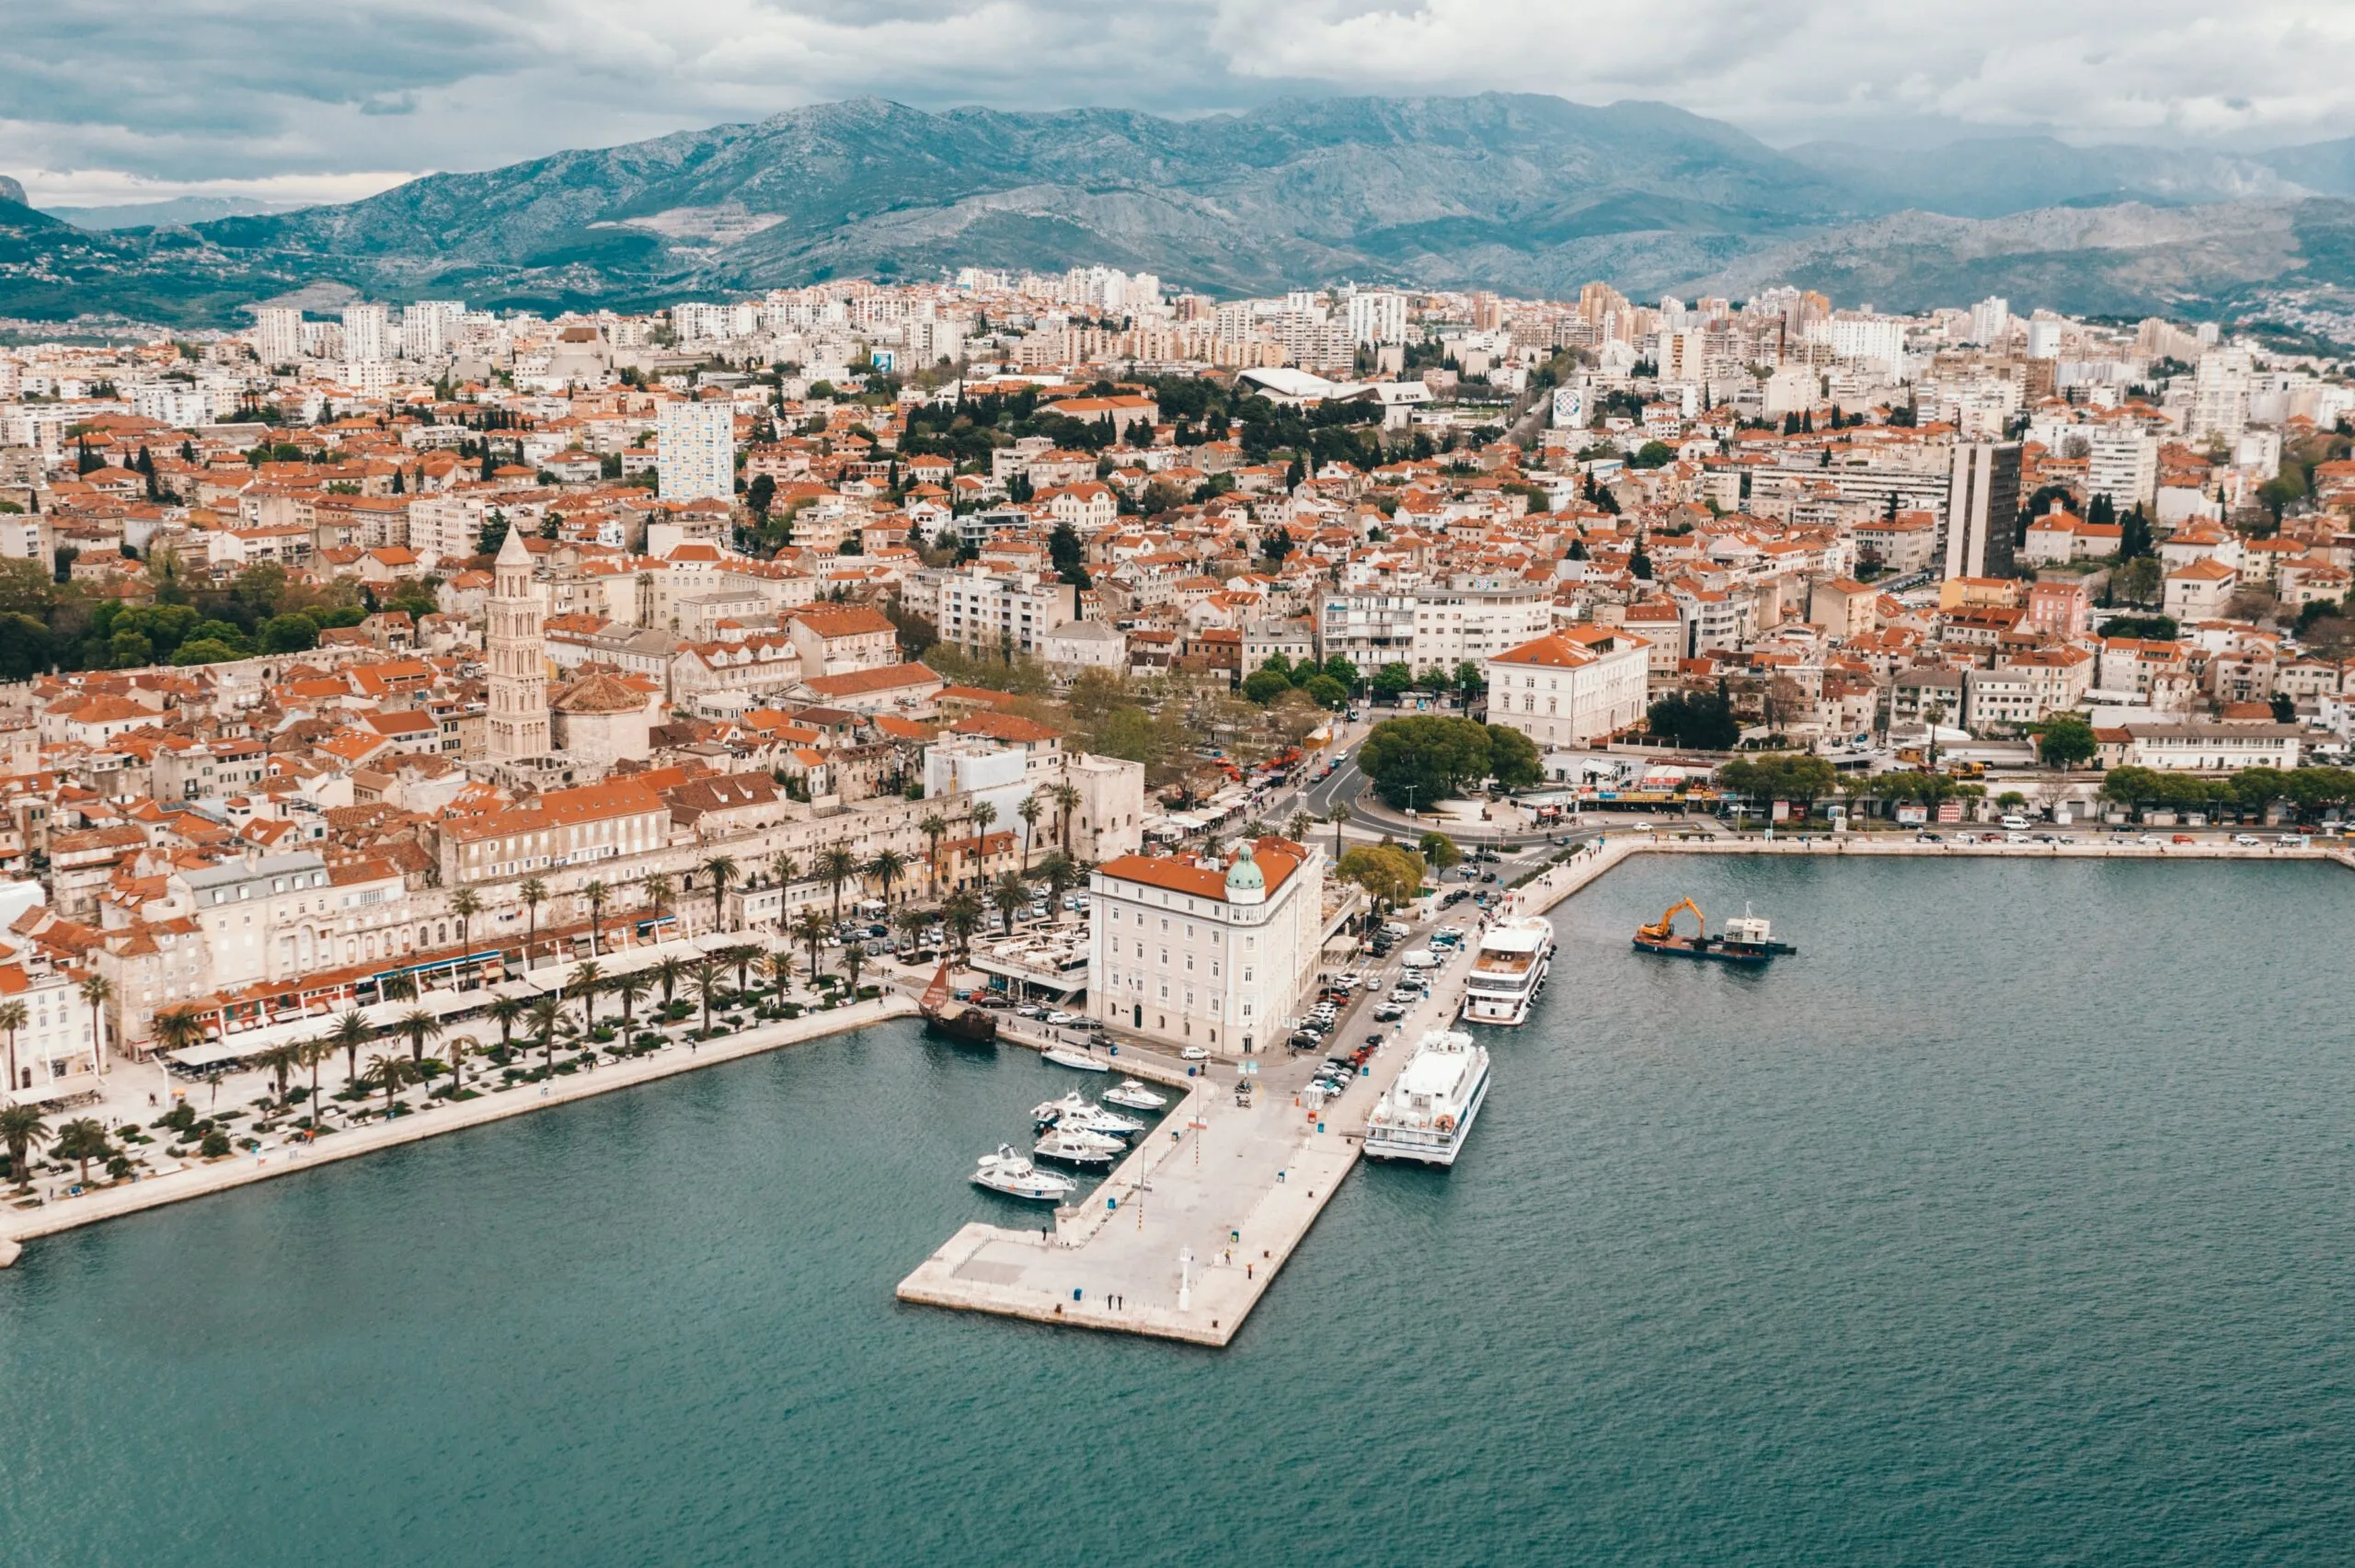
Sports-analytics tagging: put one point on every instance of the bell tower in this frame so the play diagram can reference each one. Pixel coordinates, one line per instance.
(518, 720)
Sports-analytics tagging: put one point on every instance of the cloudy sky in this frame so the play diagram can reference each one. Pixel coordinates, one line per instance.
(120, 100)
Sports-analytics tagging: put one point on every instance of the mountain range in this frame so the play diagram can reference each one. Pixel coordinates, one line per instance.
(1519, 193)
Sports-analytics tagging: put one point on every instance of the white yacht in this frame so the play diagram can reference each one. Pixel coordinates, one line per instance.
(1008, 1172)
(1428, 1110)
(1076, 1111)
(1072, 1146)
(1509, 970)
(1063, 1056)
(1134, 1095)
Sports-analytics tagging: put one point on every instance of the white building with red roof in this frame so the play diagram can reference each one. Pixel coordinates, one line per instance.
(1219, 954)
(1572, 686)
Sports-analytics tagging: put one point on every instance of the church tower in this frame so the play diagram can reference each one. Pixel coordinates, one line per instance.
(519, 679)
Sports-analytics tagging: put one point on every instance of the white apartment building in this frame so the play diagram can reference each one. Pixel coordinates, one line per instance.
(1570, 687)
(277, 335)
(1430, 628)
(367, 332)
(2122, 464)
(695, 452)
(1377, 317)
(2220, 395)
(981, 610)
(1185, 951)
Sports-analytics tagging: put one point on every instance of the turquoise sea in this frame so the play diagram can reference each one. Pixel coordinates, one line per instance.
(2009, 1222)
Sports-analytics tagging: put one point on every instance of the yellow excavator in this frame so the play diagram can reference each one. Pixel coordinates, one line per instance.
(1663, 938)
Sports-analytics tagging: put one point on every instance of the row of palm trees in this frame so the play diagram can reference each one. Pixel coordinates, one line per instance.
(23, 1127)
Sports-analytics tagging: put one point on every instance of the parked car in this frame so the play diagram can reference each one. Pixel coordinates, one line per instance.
(2247, 840)
(1060, 1017)
(1030, 1010)
(2185, 838)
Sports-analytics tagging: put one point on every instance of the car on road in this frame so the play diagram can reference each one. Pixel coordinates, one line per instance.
(2184, 838)
(1375, 1038)
(2151, 840)
(2247, 840)
(1194, 1053)
(1030, 1010)
(2015, 823)
(1060, 1017)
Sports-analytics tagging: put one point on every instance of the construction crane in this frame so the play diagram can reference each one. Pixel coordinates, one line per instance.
(1666, 930)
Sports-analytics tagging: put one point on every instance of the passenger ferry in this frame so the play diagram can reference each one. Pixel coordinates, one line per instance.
(1428, 1110)
(1509, 970)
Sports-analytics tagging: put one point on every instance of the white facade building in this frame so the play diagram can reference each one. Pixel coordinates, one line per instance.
(695, 452)
(1189, 952)
(1570, 687)
(1431, 628)
(277, 335)
(367, 332)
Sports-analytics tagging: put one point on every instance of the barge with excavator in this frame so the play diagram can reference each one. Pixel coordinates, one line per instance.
(1747, 939)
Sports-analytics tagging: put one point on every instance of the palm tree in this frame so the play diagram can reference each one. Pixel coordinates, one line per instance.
(1029, 811)
(536, 893)
(779, 966)
(1059, 872)
(934, 828)
(1066, 798)
(455, 1054)
(21, 1127)
(278, 1061)
(836, 867)
(982, 815)
(98, 991)
(350, 1032)
(659, 893)
(419, 1026)
(466, 906)
(706, 981)
(962, 915)
(632, 989)
(596, 893)
(547, 1012)
(1009, 893)
(811, 928)
(784, 867)
(1339, 815)
(1297, 828)
(667, 974)
(586, 981)
(506, 1013)
(910, 924)
(81, 1140)
(179, 1028)
(888, 866)
(13, 1017)
(722, 869)
(398, 988)
(740, 956)
(854, 960)
(392, 1074)
(313, 1052)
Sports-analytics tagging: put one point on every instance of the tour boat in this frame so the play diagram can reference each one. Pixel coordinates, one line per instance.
(1062, 1056)
(1008, 1172)
(1134, 1095)
(1428, 1110)
(1509, 970)
(1071, 1146)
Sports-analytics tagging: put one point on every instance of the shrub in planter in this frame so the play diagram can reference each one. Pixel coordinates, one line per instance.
(215, 1144)
(790, 1010)
(119, 1167)
(869, 994)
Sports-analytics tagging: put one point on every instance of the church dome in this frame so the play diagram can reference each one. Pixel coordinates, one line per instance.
(1246, 883)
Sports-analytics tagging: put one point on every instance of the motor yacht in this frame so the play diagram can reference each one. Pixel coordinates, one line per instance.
(1008, 1172)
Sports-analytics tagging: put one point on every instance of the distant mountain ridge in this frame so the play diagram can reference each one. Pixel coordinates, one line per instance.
(1522, 193)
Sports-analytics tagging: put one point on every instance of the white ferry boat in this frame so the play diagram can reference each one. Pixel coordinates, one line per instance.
(1509, 970)
(1428, 1108)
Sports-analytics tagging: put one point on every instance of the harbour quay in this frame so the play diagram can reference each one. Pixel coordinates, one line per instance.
(1188, 1232)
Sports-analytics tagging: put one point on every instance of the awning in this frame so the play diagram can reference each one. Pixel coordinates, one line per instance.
(58, 1091)
(213, 1053)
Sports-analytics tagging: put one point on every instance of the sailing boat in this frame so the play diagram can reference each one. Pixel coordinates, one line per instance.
(954, 1021)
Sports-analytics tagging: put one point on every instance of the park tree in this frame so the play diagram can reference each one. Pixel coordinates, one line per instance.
(1512, 759)
(2066, 740)
(1440, 851)
(1423, 760)
(1390, 874)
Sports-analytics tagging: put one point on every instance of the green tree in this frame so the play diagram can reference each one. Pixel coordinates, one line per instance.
(21, 1127)
(1390, 874)
(1440, 851)
(1264, 686)
(1514, 759)
(82, 1140)
(1393, 681)
(2066, 740)
(1326, 692)
(1702, 721)
(1423, 760)
(1341, 669)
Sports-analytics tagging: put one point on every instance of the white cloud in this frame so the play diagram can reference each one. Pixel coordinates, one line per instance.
(108, 95)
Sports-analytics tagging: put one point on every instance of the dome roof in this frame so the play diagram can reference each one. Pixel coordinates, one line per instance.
(1246, 883)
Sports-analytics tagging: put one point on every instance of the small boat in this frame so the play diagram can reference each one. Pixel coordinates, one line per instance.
(1062, 1056)
(1070, 1145)
(1008, 1172)
(1134, 1095)
(965, 1025)
(1075, 1111)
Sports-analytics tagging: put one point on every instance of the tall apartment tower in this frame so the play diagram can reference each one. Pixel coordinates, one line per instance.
(367, 332)
(1983, 509)
(277, 335)
(518, 722)
(695, 450)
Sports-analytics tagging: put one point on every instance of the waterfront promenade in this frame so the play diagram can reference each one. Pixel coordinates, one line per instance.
(198, 1178)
